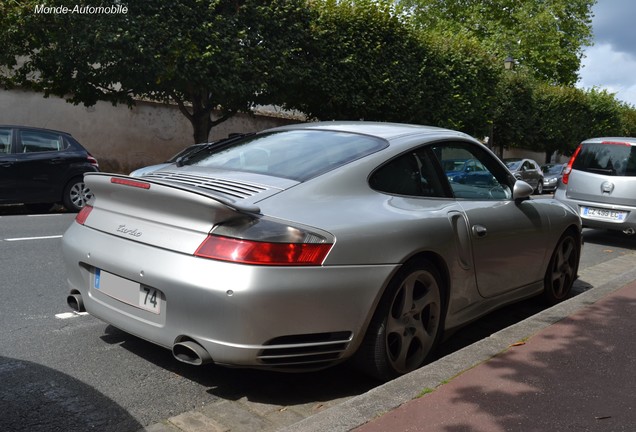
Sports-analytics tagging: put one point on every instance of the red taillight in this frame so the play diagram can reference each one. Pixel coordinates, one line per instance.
(92, 161)
(83, 214)
(568, 168)
(263, 253)
(129, 182)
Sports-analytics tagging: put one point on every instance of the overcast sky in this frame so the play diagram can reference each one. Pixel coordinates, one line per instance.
(610, 63)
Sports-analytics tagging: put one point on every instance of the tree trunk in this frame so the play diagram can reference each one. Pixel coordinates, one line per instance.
(199, 114)
(201, 126)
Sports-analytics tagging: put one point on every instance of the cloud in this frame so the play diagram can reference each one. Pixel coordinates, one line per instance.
(610, 62)
(613, 24)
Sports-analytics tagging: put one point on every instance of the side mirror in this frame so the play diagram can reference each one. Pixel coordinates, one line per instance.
(521, 190)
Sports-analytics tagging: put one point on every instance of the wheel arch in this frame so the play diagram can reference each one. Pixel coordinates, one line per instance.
(444, 273)
(64, 199)
(576, 231)
(365, 347)
(440, 265)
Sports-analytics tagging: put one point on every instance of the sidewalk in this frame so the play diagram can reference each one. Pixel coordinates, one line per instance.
(569, 368)
(576, 375)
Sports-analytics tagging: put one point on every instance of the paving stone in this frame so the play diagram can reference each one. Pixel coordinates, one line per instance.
(236, 414)
(160, 427)
(282, 418)
(195, 421)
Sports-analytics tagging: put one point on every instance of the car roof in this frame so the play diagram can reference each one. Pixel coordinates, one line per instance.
(387, 131)
(598, 140)
(34, 128)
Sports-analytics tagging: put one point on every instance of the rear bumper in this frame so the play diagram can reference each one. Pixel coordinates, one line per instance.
(628, 223)
(242, 315)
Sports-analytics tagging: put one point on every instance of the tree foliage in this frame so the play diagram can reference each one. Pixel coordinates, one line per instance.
(437, 62)
(204, 55)
(563, 118)
(515, 115)
(366, 62)
(546, 36)
(363, 63)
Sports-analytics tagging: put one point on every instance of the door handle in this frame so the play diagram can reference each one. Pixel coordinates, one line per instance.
(479, 231)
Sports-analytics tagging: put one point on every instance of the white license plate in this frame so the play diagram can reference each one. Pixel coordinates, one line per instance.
(127, 291)
(598, 213)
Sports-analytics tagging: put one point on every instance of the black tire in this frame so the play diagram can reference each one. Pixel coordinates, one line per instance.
(539, 189)
(76, 195)
(407, 324)
(562, 269)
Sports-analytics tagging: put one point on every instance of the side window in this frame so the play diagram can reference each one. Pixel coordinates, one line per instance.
(411, 174)
(40, 141)
(488, 181)
(5, 141)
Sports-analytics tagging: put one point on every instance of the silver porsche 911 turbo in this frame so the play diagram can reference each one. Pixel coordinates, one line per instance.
(299, 247)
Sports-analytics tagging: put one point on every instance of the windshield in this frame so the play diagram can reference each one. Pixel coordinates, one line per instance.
(513, 165)
(552, 169)
(293, 154)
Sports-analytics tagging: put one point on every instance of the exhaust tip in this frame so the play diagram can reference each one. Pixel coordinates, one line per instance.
(191, 352)
(75, 302)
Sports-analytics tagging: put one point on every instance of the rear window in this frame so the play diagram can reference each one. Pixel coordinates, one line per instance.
(294, 154)
(612, 159)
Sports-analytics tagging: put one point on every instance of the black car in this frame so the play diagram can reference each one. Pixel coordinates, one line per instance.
(42, 167)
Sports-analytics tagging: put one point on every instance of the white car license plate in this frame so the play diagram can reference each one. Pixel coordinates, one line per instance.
(598, 213)
(127, 291)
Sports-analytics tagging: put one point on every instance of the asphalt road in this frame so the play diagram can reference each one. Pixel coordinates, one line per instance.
(64, 372)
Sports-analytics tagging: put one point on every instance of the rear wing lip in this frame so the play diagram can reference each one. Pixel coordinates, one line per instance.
(228, 202)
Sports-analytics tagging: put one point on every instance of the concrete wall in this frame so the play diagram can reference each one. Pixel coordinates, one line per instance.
(122, 139)
(539, 157)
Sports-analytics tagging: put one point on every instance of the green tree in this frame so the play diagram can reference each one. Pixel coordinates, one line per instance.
(515, 113)
(546, 36)
(605, 114)
(203, 55)
(463, 85)
(363, 63)
(563, 120)
(367, 62)
(628, 120)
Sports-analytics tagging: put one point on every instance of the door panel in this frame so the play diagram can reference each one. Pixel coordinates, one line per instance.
(506, 236)
(508, 244)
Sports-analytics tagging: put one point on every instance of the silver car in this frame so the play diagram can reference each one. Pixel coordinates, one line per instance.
(599, 183)
(302, 246)
(527, 170)
(552, 174)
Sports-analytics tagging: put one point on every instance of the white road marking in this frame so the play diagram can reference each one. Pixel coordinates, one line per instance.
(33, 238)
(67, 315)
